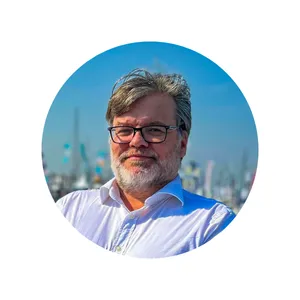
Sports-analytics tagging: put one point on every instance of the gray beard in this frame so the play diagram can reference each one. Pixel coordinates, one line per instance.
(156, 174)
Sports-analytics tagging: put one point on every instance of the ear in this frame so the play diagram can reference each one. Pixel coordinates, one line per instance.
(183, 144)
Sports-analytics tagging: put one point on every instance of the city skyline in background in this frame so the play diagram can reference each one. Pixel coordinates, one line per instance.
(223, 128)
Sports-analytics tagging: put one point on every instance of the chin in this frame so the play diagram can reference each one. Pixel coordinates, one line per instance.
(136, 171)
(137, 177)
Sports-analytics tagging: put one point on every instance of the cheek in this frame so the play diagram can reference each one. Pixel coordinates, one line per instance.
(117, 150)
(162, 151)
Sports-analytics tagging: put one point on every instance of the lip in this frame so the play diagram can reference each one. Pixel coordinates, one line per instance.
(138, 157)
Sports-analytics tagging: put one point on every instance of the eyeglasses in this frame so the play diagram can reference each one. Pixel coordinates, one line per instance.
(154, 134)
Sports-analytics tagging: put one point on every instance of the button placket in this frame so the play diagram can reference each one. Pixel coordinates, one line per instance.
(125, 233)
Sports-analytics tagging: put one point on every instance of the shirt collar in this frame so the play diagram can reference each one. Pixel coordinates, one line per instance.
(173, 188)
(109, 189)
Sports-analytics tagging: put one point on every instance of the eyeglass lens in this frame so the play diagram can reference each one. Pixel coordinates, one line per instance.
(152, 134)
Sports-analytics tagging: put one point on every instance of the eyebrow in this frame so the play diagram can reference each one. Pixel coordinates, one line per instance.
(157, 123)
(147, 124)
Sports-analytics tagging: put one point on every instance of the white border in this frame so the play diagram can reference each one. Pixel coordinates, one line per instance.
(44, 44)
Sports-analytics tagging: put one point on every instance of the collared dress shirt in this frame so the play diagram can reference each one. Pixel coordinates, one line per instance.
(172, 221)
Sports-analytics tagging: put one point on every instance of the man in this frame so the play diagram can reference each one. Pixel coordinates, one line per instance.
(144, 211)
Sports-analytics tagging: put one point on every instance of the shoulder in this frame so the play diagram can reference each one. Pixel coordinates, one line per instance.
(80, 198)
(215, 216)
(200, 203)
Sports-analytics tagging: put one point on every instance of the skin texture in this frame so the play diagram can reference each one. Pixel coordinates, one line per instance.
(143, 168)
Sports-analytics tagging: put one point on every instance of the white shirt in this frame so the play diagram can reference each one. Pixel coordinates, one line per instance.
(172, 221)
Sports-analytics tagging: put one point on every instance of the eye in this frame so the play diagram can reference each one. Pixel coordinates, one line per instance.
(123, 131)
(155, 130)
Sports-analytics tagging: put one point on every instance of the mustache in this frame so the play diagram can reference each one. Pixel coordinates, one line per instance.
(127, 154)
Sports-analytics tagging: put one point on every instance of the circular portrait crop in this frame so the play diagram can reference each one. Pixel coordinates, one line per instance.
(150, 150)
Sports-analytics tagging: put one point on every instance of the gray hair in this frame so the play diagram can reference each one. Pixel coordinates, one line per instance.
(139, 83)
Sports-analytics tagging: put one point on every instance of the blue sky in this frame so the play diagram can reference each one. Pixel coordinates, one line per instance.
(222, 125)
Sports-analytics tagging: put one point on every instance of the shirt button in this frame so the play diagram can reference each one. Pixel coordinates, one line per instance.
(131, 216)
(118, 249)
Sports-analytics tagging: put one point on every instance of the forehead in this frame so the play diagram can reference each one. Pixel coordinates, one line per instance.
(158, 107)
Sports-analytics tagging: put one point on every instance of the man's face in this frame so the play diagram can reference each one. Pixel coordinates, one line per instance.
(139, 165)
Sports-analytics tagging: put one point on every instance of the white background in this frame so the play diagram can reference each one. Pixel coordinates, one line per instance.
(43, 43)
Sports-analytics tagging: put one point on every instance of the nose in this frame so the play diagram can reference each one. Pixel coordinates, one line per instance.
(138, 141)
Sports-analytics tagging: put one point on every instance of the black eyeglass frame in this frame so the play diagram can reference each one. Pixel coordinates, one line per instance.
(140, 129)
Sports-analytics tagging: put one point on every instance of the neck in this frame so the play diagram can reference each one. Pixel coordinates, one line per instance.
(134, 200)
